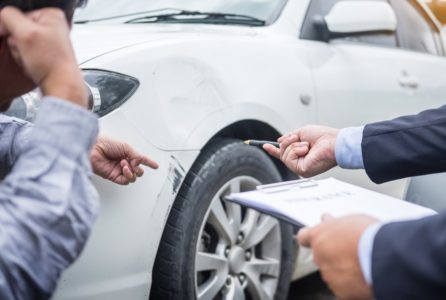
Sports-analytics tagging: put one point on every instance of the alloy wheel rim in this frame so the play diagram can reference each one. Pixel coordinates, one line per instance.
(239, 250)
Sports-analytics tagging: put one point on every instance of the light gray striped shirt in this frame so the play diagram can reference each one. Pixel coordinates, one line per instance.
(47, 201)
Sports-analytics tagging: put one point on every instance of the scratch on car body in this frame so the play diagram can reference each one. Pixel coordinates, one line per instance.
(176, 174)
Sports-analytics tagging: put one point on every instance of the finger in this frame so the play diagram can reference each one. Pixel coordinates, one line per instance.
(130, 173)
(146, 161)
(285, 136)
(133, 178)
(304, 237)
(14, 21)
(292, 157)
(136, 170)
(304, 144)
(137, 159)
(121, 180)
(327, 217)
(296, 163)
(301, 150)
(125, 165)
(295, 150)
(139, 171)
(285, 144)
(127, 173)
(35, 15)
(272, 150)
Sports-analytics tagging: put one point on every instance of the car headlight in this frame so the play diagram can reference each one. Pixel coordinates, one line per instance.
(106, 92)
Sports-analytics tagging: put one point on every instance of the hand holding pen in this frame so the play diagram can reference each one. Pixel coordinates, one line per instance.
(308, 151)
(290, 151)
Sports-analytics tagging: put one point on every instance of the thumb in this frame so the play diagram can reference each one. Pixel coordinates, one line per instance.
(14, 22)
(317, 161)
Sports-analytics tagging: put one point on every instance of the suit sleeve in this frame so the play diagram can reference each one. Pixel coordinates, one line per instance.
(409, 260)
(405, 147)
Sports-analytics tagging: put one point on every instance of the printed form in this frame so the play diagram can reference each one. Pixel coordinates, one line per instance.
(303, 202)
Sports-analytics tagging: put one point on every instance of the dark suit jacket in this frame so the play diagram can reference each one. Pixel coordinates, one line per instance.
(409, 258)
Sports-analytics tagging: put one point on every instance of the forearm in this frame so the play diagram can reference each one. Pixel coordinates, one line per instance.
(413, 253)
(47, 202)
(405, 147)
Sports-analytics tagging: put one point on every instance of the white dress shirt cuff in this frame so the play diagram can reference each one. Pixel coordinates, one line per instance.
(348, 149)
(365, 249)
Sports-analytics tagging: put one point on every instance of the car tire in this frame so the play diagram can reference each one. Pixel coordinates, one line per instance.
(183, 245)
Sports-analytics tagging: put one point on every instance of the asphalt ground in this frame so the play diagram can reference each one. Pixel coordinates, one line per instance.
(310, 288)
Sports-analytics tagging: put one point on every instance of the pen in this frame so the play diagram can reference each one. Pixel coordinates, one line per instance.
(261, 143)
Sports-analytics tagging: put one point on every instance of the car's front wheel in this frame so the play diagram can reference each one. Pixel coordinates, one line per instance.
(212, 249)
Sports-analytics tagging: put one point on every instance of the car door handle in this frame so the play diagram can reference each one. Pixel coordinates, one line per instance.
(409, 82)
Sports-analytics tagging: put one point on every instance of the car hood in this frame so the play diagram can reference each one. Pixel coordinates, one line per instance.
(91, 41)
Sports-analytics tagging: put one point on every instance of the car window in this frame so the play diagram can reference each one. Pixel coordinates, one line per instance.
(99, 10)
(318, 8)
(416, 31)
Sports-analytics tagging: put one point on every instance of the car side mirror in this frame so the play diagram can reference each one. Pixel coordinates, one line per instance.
(348, 18)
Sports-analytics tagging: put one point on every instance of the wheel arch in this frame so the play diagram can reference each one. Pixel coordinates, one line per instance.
(254, 129)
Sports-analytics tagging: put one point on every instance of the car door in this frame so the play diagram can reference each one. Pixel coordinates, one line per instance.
(423, 75)
(368, 77)
(371, 77)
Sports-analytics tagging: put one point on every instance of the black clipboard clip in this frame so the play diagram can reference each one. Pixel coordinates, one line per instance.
(287, 185)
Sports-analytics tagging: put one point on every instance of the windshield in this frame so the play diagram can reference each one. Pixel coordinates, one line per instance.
(97, 10)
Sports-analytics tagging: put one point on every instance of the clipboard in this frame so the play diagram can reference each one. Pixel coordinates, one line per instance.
(303, 202)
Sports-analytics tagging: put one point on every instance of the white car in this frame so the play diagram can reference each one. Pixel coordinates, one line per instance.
(186, 82)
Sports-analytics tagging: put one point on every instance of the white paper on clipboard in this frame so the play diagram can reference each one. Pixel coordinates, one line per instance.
(303, 202)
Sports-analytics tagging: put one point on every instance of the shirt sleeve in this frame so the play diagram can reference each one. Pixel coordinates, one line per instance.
(365, 249)
(47, 202)
(348, 149)
(14, 138)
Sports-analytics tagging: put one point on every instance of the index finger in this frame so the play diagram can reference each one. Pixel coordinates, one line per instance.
(14, 22)
(146, 161)
(286, 143)
(272, 150)
(150, 163)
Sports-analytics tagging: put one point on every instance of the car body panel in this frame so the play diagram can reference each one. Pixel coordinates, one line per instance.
(193, 85)
(125, 238)
(357, 81)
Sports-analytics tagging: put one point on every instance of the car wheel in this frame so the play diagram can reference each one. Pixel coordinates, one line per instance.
(212, 249)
